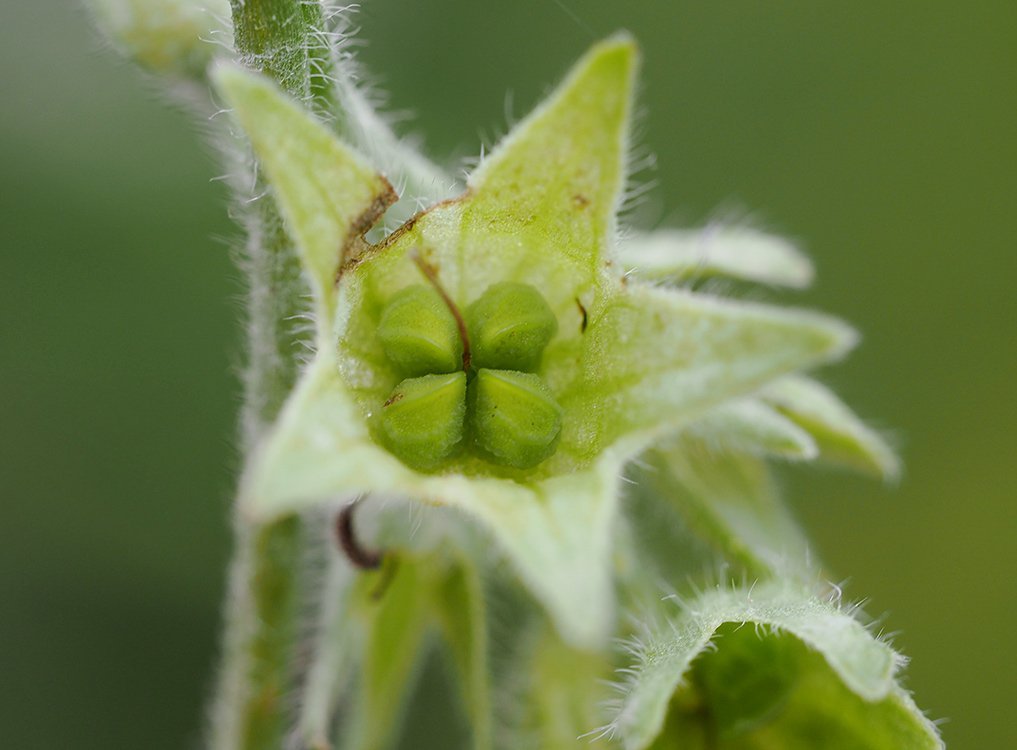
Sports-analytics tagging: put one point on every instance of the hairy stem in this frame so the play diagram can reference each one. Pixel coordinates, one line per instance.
(253, 705)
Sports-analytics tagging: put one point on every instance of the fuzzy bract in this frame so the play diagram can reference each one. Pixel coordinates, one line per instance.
(630, 362)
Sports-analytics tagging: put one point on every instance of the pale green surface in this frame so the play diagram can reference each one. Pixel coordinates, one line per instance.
(743, 253)
(395, 628)
(327, 193)
(169, 37)
(842, 437)
(863, 664)
(655, 358)
(753, 427)
(879, 135)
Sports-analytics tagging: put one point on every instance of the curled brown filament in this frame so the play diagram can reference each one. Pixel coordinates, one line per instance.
(356, 553)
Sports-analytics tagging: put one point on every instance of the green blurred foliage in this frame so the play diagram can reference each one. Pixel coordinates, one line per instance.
(880, 135)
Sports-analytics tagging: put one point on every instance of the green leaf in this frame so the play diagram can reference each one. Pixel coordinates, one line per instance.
(831, 683)
(328, 194)
(655, 359)
(750, 426)
(730, 501)
(733, 252)
(841, 436)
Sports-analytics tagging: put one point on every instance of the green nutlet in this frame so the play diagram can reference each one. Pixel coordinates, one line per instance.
(422, 420)
(510, 324)
(419, 333)
(515, 420)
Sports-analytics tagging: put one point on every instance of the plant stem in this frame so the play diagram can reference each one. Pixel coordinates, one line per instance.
(281, 39)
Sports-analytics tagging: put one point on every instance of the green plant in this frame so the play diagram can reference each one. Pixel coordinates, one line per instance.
(534, 385)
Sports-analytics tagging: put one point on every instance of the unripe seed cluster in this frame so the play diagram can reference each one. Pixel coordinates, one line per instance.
(493, 402)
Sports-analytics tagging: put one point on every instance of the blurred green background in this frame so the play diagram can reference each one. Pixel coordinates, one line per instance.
(881, 135)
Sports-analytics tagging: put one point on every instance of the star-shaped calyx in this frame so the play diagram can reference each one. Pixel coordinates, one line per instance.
(628, 363)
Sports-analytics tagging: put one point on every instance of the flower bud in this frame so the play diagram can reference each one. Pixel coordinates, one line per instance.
(419, 333)
(510, 324)
(423, 419)
(514, 418)
(170, 37)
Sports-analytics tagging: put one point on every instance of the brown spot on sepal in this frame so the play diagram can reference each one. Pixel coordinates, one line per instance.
(354, 245)
(364, 249)
(394, 398)
(580, 201)
(584, 318)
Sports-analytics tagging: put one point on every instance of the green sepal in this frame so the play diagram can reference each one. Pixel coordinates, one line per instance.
(751, 426)
(730, 501)
(563, 165)
(514, 419)
(328, 194)
(561, 691)
(656, 359)
(835, 685)
(462, 616)
(509, 325)
(842, 438)
(423, 418)
(394, 622)
(419, 333)
(377, 629)
(741, 253)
